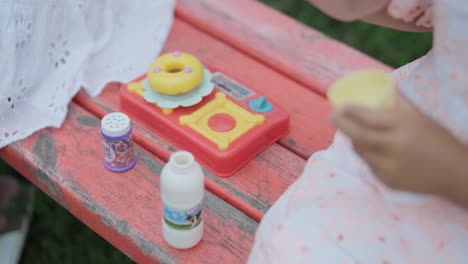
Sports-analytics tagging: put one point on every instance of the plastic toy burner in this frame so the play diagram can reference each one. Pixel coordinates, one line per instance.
(223, 123)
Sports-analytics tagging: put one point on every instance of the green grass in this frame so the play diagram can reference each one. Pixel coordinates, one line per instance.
(394, 48)
(58, 237)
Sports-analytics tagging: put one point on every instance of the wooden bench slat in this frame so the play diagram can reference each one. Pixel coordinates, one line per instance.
(252, 190)
(124, 208)
(310, 129)
(253, 44)
(299, 52)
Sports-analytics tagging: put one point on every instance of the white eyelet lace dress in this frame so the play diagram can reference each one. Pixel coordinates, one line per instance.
(49, 49)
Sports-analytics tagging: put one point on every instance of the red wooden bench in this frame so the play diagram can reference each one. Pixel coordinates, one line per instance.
(268, 52)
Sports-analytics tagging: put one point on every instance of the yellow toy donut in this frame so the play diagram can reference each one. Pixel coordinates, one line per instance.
(368, 88)
(175, 73)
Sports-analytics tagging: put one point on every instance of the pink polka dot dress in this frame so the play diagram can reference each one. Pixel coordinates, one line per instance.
(338, 212)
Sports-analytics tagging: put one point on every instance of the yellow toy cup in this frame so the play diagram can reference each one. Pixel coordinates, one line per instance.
(367, 88)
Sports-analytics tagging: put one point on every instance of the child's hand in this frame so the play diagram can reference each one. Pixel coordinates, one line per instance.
(404, 148)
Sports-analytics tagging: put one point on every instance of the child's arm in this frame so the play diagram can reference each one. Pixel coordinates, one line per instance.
(371, 11)
(349, 10)
(457, 190)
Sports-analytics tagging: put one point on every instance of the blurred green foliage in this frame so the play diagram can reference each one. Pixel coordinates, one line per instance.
(392, 47)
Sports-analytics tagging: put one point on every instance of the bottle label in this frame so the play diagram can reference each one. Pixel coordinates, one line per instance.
(109, 153)
(230, 87)
(183, 219)
(118, 153)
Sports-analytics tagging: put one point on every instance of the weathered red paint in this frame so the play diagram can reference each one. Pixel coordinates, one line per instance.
(310, 129)
(124, 208)
(301, 53)
(249, 42)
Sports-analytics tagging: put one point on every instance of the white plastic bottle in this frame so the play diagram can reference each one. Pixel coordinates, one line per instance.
(182, 190)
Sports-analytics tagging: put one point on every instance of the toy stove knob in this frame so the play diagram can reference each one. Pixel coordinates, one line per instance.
(260, 105)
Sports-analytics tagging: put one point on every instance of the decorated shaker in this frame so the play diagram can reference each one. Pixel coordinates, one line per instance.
(116, 130)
